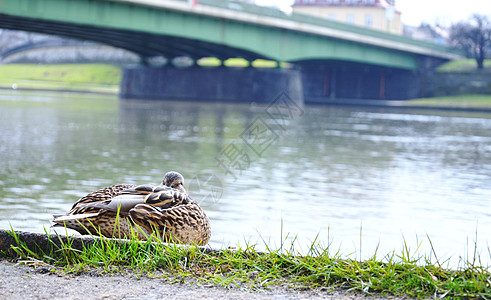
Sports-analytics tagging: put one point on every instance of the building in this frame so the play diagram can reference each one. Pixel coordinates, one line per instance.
(426, 32)
(376, 14)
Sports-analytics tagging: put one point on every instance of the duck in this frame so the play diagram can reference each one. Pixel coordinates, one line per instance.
(165, 211)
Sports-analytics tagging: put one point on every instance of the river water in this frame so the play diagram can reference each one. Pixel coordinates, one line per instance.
(355, 178)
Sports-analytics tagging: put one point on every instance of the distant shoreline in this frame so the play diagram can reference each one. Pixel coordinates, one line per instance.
(404, 104)
(432, 103)
(75, 91)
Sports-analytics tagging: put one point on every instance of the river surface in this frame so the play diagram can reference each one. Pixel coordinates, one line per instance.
(355, 178)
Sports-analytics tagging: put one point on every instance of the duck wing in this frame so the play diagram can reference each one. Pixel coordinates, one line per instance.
(121, 203)
(167, 198)
(60, 219)
(102, 194)
(157, 196)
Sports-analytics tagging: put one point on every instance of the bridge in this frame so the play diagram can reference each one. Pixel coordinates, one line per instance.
(335, 60)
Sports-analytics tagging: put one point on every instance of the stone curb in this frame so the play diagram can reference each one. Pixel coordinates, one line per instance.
(42, 241)
(45, 242)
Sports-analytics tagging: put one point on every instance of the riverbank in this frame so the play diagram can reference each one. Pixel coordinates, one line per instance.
(478, 103)
(320, 273)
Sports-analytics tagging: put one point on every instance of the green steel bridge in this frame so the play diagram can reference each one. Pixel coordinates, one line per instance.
(326, 50)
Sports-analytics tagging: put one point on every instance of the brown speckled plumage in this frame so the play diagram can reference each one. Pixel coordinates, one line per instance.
(166, 210)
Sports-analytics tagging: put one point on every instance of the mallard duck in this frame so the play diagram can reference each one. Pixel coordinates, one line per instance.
(124, 209)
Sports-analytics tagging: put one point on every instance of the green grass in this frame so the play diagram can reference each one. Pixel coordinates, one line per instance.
(236, 62)
(404, 274)
(242, 63)
(457, 101)
(463, 65)
(84, 77)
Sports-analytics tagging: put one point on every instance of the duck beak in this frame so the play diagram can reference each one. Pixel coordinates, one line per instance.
(181, 188)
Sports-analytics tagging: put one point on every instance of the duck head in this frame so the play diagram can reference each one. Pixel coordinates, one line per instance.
(174, 180)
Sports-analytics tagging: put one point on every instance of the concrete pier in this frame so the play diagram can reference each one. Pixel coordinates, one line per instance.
(211, 84)
(327, 82)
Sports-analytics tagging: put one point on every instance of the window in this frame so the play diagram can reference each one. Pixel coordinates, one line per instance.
(368, 20)
(331, 17)
(350, 18)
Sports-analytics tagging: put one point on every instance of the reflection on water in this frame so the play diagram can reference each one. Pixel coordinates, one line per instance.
(335, 172)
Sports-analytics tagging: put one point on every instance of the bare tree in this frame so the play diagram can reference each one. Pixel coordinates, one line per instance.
(473, 37)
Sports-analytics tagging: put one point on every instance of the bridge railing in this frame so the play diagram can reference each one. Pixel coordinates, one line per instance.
(308, 19)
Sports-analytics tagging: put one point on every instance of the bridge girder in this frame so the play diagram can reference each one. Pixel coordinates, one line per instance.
(142, 43)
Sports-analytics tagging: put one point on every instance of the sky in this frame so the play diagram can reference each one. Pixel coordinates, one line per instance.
(443, 12)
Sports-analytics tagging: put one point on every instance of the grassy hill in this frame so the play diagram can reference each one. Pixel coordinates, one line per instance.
(71, 77)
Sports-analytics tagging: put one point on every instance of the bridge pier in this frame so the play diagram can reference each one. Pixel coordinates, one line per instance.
(211, 84)
(334, 81)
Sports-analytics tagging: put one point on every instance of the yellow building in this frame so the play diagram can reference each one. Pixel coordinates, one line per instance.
(376, 14)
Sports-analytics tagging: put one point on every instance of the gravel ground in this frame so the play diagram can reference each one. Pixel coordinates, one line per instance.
(28, 282)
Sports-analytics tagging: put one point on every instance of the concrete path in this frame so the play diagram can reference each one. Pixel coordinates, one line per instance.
(38, 282)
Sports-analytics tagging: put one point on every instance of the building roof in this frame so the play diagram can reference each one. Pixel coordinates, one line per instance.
(344, 3)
